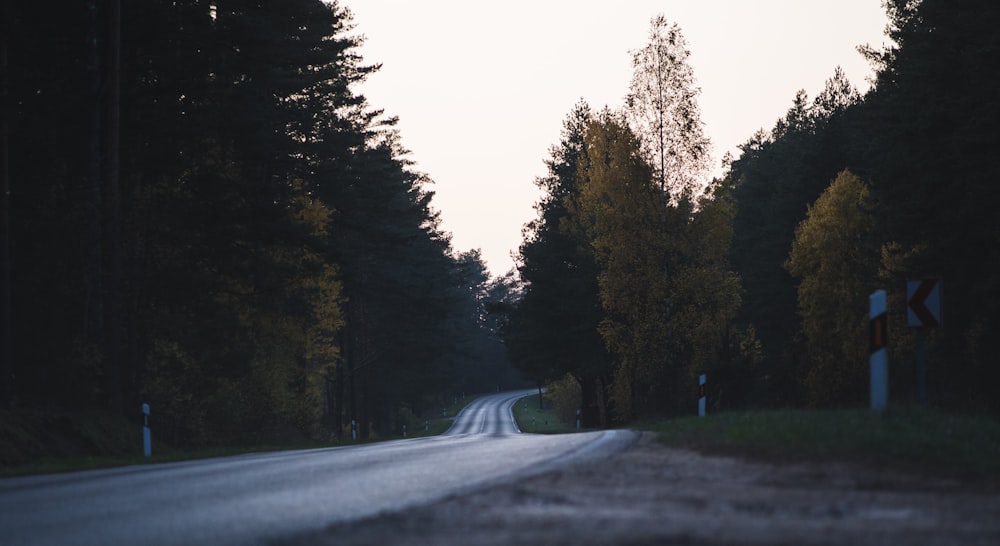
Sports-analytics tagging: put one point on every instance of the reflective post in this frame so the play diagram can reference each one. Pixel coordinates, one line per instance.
(878, 361)
(701, 394)
(147, 441)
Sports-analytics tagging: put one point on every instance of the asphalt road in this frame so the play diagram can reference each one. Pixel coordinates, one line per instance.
(257, 498)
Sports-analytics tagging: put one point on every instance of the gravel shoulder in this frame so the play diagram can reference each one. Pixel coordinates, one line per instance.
(650, 494)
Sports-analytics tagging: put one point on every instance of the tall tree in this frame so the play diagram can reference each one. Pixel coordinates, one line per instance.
(621, 213)
(931, 126)
(835, 258)
(264, 216)
(6, 316)
(662, 108)
(553, 329)
(705, 295)
(778, 174)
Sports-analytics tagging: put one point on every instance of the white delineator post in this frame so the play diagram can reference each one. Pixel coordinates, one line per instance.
(701, 394)
(147, 441)
(878, 360)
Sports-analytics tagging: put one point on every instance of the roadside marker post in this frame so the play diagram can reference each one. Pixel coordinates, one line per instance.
(701, 394)
(878, 360)
(147, 440)
(578, 419)
(354, 430)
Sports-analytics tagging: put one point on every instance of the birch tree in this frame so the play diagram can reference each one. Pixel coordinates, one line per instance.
(662, 109)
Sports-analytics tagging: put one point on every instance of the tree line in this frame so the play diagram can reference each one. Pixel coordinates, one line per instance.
(637, 276)
(625, 283)
(847, 194)
(203, 213)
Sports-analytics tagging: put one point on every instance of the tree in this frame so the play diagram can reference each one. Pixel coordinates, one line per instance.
(6, 317)
(480, 360)
(836, 259)
(662, 108)
(778, 174)
(552, 329)
(931, 126)
(620, 212)
(275, 245)
(705, 295)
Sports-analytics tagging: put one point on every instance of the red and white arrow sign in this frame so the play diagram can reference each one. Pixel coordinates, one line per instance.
(923, 303)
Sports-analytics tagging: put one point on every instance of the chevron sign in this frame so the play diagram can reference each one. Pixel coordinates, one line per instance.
(923, 303)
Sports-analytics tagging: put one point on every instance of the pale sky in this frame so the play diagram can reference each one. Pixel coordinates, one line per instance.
(482, 88)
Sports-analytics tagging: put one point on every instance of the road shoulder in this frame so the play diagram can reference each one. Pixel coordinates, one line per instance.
(653, 494)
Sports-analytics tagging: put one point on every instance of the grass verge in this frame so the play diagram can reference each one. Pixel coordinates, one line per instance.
(913, 439)
(532, 418)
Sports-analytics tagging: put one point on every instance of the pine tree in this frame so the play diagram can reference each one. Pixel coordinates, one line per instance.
(553, 329)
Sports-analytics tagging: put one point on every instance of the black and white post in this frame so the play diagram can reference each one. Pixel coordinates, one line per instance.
(147, 441)
(878, 360)
(701, 394)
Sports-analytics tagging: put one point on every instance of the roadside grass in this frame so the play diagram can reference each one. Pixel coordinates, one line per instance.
(905, 438)
(429, 423)
(530, 418)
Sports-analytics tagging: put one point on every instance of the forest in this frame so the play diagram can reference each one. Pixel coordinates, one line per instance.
(636, 279)
(202, 212)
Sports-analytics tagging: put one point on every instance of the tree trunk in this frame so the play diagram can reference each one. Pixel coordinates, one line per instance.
(338, 405)
(6, 314)
(589, 412)
(93, 327)
(112, 213)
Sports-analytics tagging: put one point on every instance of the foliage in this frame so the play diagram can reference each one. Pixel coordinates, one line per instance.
(662, 109)
(223, 227)
(619, 257)
(932, 123)
(630, 250)
(705, 295)
(835, 259)
(776, 176)
(922, 138)
(553, 328)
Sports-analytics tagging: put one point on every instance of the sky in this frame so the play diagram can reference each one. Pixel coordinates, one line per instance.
(481, 88)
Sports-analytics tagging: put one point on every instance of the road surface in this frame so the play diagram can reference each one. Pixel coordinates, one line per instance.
(261, 498)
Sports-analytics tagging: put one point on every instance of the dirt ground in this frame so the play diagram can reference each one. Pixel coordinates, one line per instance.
(654, 495)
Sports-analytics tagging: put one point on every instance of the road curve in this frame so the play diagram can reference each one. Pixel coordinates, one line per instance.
(492, 415)
(258, 498)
